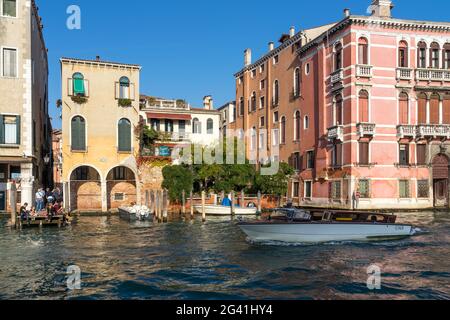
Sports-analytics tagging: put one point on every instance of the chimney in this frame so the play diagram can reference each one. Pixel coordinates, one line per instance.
(208, 103)
(247, 57)
(271, 46)
(97, 58)
(346, 13)
(292, 31)
(382, 8)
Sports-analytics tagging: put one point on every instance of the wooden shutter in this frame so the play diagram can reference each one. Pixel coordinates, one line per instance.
(78, 134)
(132, 91)
(2, 130)
(124, 135)
(434, 110)
(421, 153)
(364, 153)
(117, 90)
(75, 134)
(422, 112)
(403, 112)
(86, 88)
(70, 87)
(363, 109)
(339, 154)
(18, 130)
(339, 112)
(446, 110)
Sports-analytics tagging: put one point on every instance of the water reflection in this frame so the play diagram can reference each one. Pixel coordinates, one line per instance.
(189, 259)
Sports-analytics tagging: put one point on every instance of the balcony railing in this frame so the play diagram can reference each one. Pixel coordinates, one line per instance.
(404, 73)
(406, 131)
(165, 104)
(336, 133)
(433, 131)
(366, 129)
(337, 76)
(432, 75)
(363, 71)
(174, 137)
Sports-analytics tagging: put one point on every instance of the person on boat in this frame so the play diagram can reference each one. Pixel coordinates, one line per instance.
(356, 197)
(226, 202)
(24, 213)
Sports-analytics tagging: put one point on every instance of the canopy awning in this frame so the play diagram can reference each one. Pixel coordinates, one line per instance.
(171, 116)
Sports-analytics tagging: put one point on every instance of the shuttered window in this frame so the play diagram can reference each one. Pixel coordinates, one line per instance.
(422, 112)
(423, 189)
(338, 116)
(78, 131)
(336, 159)
(124, 135)
(364, 153)
(10, 130)
(363, 106)
(9, 63)
(124, 84)
(9, 8)
(404, 189)
(421, 154)
(210, 126)
(446, 110)
(403, 108)
(78, 85)
(363, 51)
(308, 189)
(404, 154)
(434, 109)
(364, 189)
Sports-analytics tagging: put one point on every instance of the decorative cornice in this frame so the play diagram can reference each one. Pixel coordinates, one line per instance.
(100, 63)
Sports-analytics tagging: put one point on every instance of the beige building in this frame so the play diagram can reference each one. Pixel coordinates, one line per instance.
(24, 123)
(100, 109)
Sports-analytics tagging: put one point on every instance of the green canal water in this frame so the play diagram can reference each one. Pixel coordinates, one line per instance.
(192, 260)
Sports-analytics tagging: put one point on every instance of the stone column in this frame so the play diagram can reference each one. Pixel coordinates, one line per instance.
(27, 184)
(441, 111)
(104, 196)
(66, 196)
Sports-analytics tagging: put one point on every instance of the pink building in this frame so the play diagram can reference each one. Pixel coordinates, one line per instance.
(372, 118)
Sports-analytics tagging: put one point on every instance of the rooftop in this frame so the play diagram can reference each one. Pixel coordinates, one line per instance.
(99, 62)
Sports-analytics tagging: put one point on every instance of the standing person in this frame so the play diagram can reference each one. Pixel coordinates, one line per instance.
(49, 196)
(39, 201)
(356, 197)
(24, 214)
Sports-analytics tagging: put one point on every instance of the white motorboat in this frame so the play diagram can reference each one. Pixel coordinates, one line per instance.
(299, 226)
(140, 213)
(217, 210)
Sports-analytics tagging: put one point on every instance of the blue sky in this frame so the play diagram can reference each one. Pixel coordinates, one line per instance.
(189, 49)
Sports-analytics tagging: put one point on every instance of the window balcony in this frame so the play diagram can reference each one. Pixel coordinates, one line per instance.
(364, 71)
(433, 131)
(336, 133)
(366, 129)
(432, 75)
(404, 74)
(174, 137)
(406, 131)
(337, 76)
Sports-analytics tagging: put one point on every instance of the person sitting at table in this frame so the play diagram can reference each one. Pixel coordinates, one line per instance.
(24, 214)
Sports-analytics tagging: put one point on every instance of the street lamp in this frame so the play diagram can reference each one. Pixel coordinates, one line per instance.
(47, 159)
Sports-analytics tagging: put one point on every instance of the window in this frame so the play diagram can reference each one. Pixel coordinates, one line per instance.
(336, 190)
(124, 84)
(297, 82)
(182, 126)
(404, 189)
(262, 140)
(262, 102)
(295, 189)
(403, 108)
(82, 174)
(307, 69)
(233, 118)
(276, 92)
(275, 137)
(15, 173)
(210, 126)
(156, 124)
(262, 84)
(338, 57)
(119, 173)
(421, 150)
(422, 108)
(336, 155)
(306, 125)
(364, 188)
(9, 62)
(283, 130)
(253, 102)
(253, 139)
(262, 122)
(261, 68)
(446, 64)
(78, 85)
(168, 126)
(308, 189)
(364, 153)
(434, 109)
(120, 196)
(296, 161)
(404, 155)
(124, 135)
(310, 160)
(253, 73)
(363, 51)
(9, 8)
(241, 107)
(10, 130)
(275, 117)
(363, 106)
(297, 125)
(240, 80)
(275, 59)
(434, 55)
(196, 126)
(403, 55)
(78, 132)
(422, 55)
(338, 111)
(423, 189)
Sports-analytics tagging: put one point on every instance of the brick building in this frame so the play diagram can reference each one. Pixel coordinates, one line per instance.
(358, 107)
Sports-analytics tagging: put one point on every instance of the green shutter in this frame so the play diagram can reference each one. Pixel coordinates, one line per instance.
(78, 86)
(18, 129)
(2, 131)
(82, 133)
(78, 134)
(124, 135)
(74, 133)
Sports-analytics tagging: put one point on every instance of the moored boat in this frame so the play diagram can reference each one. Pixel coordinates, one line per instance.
(218, 210)
(299, 226)
(140, 213)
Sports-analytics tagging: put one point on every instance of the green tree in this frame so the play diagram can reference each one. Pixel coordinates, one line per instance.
(276, 185)
(177, 179)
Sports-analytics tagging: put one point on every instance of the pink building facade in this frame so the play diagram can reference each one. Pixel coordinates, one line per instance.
(374, 119)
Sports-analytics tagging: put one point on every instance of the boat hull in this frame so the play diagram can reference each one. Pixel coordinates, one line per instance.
(225, 211)
(324, 232)
(126, 214)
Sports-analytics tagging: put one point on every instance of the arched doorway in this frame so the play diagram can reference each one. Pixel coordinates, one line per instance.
(85, 189)
(440, 180)
(121, 187)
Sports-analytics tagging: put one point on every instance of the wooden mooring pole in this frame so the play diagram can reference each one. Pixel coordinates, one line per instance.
(242, 199)
(203, 206)
(259, 202)
(183, 203)
(165, 199)
(233, 211)
(13, 200)
(191, 200)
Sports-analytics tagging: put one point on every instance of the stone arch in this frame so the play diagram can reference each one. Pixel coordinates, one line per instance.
(121, 187)
(85, 189)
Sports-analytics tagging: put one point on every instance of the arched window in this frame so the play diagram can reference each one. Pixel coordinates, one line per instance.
(241, 106)
(403, 108)
(338, 110)
(297, 82)
(446, 56)
(306, 125)
(363, 51)
(124, 135)
(124, 84)
(78, 134)
(363, 106)
(196, 126)
(403, 56)
(253, 102)
(338, 57)
(276, 93)
(253, 139)
(434, 55)
(422, 54)
(434, 109)
(210, 126)
(283, 129)
(297, 125)
(422, 108)
(446, 110)
(78, 85)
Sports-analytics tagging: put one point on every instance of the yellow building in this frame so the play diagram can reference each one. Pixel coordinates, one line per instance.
(100, 102)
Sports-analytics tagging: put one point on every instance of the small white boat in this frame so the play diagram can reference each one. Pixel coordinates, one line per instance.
(140, 213)
(217, 210)
(332, 228)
